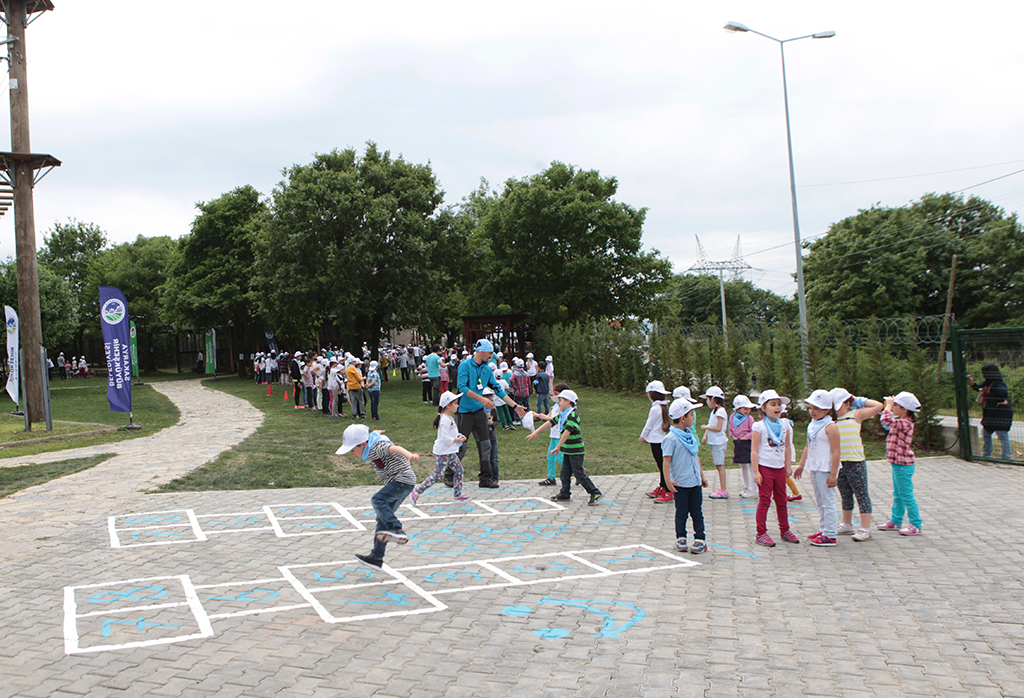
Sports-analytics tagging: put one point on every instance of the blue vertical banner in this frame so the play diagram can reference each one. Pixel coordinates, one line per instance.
(115, 325)
(271, 342)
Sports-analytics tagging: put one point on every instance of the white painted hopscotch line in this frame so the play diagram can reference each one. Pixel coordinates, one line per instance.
(114, 608)
(178, 526)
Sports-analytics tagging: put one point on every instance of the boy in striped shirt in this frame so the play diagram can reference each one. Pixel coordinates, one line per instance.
(570, 445)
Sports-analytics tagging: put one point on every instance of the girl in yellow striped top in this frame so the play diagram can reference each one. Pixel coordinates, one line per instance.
(853, 476)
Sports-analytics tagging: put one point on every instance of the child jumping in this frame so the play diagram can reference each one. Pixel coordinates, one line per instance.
(391, 465)
(683, 475)
(570, 444)
(741, 426)
(446, 448)
(654, 432)
(716, 437)
(770, 460)
(898, 415)
(853, 475)
(821, 459)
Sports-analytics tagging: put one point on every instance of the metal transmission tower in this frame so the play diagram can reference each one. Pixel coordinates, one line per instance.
(20, 170)
(706, 266)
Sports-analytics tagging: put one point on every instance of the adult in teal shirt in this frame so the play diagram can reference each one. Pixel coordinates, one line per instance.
(433, 361)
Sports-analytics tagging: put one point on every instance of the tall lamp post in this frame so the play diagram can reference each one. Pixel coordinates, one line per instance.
(736, 27)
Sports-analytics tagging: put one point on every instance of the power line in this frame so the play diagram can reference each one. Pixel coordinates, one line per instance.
(925, 174)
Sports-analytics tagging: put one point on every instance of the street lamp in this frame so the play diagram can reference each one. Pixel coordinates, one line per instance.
(736, 27)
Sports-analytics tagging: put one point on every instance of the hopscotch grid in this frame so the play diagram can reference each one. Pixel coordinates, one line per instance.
(256, 612)
(132, 609)
(239, 584)
(224, 516)
(580, 560)
(236, 530)
(187, 524)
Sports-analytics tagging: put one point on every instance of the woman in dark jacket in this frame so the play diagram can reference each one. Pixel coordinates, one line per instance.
(996, 410)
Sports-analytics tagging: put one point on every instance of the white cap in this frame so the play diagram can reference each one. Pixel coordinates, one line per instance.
(569, 395)
(373, 365)
(821, 399)
(767, 395)
(714, 391)
(503, 366)
(354, 435)
(681, 391)
(488, 391)
(656, 387)
(907, 401)
(742, 401)
(680, 407)
(839, 396)
(548, 358)
(447, 398)
(530, 355)
(518, 362)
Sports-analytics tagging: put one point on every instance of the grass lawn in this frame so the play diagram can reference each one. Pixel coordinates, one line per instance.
(80, 405)
(295, 448)
(24, 476)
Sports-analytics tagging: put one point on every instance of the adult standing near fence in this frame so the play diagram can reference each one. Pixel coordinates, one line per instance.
(996, 410)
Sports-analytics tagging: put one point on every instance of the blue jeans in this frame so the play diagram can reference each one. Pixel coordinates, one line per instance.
(542, 399)
(385, 503)
(374, 403)
(1004, 443)
(573, 466)
(903, 496)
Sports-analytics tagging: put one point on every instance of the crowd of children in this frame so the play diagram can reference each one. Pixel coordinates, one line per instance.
(833, 458)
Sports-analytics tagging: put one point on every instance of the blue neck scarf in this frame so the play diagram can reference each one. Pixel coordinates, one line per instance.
(564, 416)
(370, 443)
(738, 419)
(773, 429)
(817, 426)
(686, 438)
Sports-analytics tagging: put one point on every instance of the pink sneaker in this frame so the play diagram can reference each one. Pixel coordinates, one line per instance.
(910, 530)
(720, 494)
(460, 498)
(790, 537)
(887, 526)
(413, 497)
(765, 540)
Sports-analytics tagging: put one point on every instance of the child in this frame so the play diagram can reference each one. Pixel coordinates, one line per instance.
(492, 420)
(716, 437)
(428, 387)
(821, 459)
(504, 413)
(570, 444)
(741, 426)
(550, 421)
(899, 417)
(391, 465)
(654, 432)
(373, 389)
(853, 474)
(683, 475)
(770, 460)
(542, 386)
(446, 448)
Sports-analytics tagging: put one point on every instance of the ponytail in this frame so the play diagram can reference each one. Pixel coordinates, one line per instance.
(666, 423)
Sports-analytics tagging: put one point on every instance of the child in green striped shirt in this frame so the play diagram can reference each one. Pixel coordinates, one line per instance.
(570, 445)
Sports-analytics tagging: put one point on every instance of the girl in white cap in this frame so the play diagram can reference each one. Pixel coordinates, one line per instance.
(741, 426)
(716, 437)
(770, 459)
(654, 432)
(898, 415)
(821, 459)
(853, 474)
(446, 448)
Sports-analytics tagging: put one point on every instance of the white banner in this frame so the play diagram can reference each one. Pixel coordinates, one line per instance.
(14, 375)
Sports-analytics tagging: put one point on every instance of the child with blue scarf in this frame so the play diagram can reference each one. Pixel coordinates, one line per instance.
(391, 465)
(683, 475)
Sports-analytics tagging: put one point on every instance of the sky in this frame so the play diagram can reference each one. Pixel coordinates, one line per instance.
(152, 109)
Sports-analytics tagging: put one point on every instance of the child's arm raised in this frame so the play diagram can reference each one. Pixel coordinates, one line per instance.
(832, 432)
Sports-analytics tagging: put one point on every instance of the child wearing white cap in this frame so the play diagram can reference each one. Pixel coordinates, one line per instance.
(446, 448)
(391, 464)
(716, 437)
(853, 472)
(683, 475)
(898, 415)
(821, 459)
(654, 432)
(570, 444)
(741, 426)
(770, 458)
(550, 421)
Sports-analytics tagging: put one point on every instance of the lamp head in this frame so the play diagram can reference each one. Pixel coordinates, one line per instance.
(734, 27)
(823, 35)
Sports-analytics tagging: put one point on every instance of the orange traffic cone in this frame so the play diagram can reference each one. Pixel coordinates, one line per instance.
(270, 389)
(286, 394)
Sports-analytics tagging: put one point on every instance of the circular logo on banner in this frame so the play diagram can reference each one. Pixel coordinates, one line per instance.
(12, 326)
(131, 332)
(113, 311)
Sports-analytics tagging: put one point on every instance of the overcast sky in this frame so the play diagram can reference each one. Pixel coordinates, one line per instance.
(153, 107)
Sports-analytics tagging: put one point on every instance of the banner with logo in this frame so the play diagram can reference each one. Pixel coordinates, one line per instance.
(14, 368)
(116, 340)
(133, 343)
(211, 352)
(271, 342)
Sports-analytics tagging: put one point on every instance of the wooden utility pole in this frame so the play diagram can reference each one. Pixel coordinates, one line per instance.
(21, 165)
(945, 322)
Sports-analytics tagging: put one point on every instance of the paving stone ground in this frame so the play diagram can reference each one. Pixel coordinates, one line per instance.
(504, 595)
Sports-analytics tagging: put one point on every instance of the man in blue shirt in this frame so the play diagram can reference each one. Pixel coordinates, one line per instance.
(434, 363)
(474, 375)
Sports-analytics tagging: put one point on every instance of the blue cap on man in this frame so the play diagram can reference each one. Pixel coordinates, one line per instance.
(483, 345)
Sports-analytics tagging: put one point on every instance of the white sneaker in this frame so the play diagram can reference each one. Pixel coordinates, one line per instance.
(845, 528)
(862, 535)
(747, 494)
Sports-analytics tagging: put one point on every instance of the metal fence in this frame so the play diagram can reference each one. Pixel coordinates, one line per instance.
(971, 350)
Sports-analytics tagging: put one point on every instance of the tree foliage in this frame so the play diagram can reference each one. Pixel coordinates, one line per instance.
(890, 262)
(698, 301)
(562, 249)
(57, 309)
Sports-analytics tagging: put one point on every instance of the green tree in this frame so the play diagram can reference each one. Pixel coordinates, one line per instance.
(563, 249)
(349, 240)
(891, 262)
(57, 309)
(68, 250)
(698, 301)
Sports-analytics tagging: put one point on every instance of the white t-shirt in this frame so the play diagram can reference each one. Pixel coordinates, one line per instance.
(556, 411)
(769, 455)
(447, 432)
(652, 429)
(717, 438)
(819, 452)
